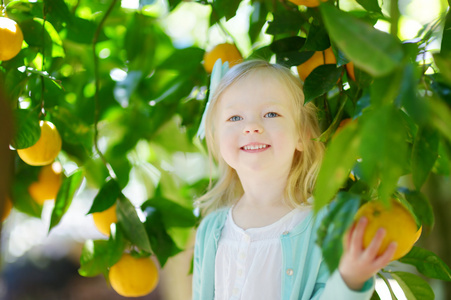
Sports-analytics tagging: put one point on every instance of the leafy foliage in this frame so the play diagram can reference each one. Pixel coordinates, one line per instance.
(114, 83)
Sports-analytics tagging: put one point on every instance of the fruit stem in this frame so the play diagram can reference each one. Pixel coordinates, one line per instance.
(97, 88)
(388, 285)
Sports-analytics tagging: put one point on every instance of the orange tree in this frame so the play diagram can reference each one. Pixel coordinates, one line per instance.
(111, 80)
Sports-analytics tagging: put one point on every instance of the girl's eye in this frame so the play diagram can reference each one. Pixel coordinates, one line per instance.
(271, 115)
(235, 118)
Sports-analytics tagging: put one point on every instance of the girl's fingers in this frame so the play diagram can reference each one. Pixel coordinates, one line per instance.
(386, 257)
(356, 242)
(376, 243)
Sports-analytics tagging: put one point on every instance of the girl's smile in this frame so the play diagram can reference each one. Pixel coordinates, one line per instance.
(255, 147)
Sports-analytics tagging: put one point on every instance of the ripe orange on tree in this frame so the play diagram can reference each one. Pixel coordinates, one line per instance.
(48, 184)
(398, 222)
(46, 149)
(308, 3)
(318, 58)
(104, 219)
(225, 52)
(134, 277)
(11, 38)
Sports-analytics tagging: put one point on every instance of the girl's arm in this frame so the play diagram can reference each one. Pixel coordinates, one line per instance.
(357, 265)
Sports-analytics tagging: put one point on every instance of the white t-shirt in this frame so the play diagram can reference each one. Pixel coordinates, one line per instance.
(249, 262)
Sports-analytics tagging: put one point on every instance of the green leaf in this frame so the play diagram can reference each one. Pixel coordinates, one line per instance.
(106, 197)
(374, 51)
(257, 20)
(427, 263)
(21, 198)
(321, 80)
(285, 21)
(317, 39)
(132, 226)
(440, 116)
(443, 62)
(334, 225)
(370, 5)
(383, 144)
(27, 130)
(422, 208)
(375, 296)
(173, 214)
(341, 155)
(445, 48)
(64, 197)
(162, 243)
(424, 154)
(224, 8)
(97, 256)
(93, 259)
(413, 286)
(184, 60)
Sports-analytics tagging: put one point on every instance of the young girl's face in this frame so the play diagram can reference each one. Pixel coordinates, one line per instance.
(255, 125)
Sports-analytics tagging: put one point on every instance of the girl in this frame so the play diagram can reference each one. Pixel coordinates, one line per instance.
(258, 241)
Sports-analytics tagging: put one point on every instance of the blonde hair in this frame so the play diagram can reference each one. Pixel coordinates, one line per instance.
(302, 177)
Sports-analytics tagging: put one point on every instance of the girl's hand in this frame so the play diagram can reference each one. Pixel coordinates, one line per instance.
(357, 265)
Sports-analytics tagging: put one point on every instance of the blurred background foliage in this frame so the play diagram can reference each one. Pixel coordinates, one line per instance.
(124, 84)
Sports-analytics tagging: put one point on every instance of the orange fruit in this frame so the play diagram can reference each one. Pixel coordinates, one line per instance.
(104, 219)
(225, 52)
(11, 38)
(398, 222)
(308, 3)
(134, 277)
(48, 184)
(46, 149)
(7, 206)
(350, 69)
(318, 58)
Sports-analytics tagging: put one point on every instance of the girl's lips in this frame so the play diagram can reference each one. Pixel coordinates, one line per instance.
(255, 147)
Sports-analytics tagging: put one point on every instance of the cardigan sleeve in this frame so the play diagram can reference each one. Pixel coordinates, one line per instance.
(335, 288)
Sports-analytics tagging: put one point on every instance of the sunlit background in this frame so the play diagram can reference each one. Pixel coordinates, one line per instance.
(26, 244)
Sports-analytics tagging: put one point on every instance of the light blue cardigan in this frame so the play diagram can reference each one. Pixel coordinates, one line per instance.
(305, 274)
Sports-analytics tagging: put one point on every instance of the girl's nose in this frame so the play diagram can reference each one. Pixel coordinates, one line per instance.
(253, 128)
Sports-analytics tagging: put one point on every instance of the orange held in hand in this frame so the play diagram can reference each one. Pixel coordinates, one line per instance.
(226, 52)
(134, 277)
(11, 38)
(398, 222)
(104, 219)
(319, 58)
(46, 148)
(48, 184)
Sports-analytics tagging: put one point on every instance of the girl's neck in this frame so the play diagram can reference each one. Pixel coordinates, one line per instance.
(262, 202)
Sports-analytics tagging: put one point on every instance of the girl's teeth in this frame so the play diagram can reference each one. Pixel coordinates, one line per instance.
(256, 147)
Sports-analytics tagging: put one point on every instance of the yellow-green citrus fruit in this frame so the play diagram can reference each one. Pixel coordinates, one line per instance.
(104, 219)
(11, 38)
(46, 149)
(318, 58)
(398, 222)
(48, 184)
(226, 52)
(134, 277)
